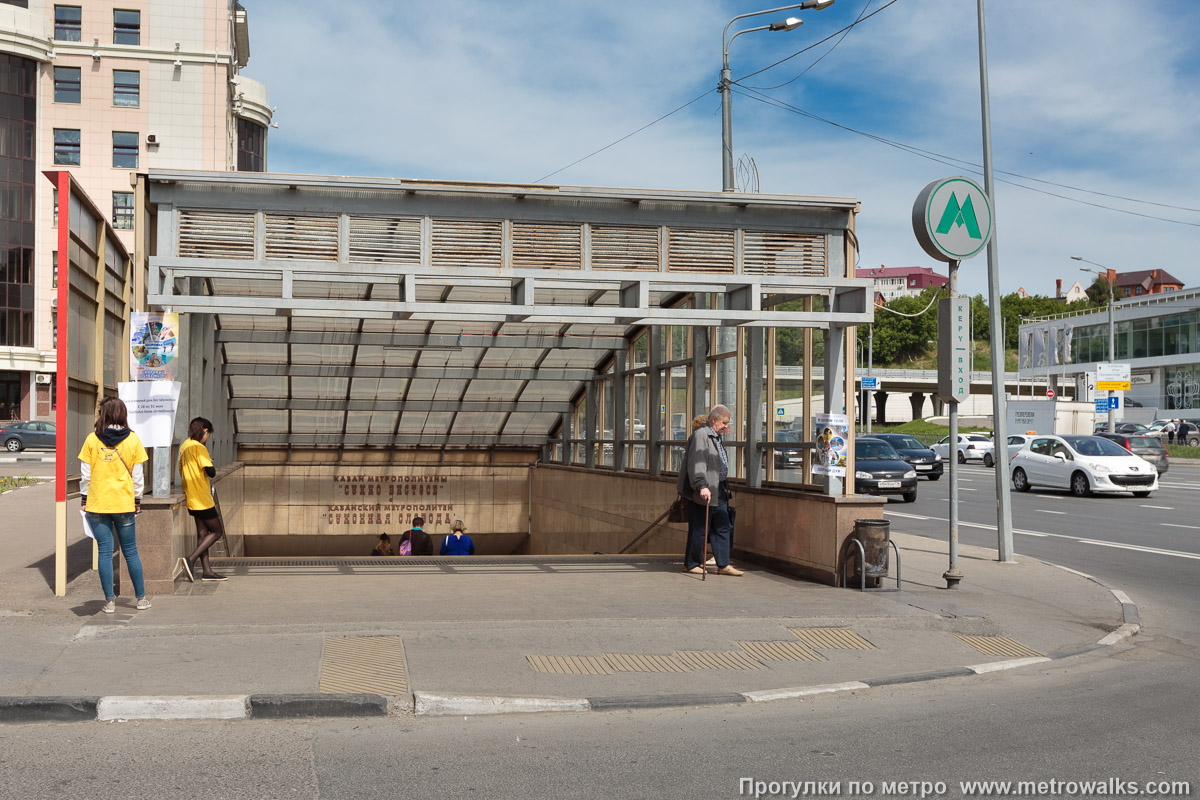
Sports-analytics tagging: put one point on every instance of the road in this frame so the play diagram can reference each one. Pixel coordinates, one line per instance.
(1148, 548)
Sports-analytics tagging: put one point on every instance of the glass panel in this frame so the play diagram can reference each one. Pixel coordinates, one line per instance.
(67, 83)
(66, 146)
(127, 27)
(126, 88)
(125, 149)
(68, 23)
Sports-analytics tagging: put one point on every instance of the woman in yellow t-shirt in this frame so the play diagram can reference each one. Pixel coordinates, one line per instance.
(196, 467)
(111, 484)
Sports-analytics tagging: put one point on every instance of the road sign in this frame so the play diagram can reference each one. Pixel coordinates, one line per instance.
(1112, 377)
(954, 384)
(1050, 393)
(779, 411)
(1101, 405)
(870, 383)
(952, 219)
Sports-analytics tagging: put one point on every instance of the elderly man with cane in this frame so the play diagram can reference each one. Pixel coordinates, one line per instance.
(703, 482)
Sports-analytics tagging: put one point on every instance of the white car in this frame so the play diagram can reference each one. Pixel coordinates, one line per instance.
(971, 447)
(1083, 465)
(1016, 442)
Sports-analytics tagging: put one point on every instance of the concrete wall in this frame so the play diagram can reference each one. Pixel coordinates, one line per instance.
(576, 511)
(167, 533)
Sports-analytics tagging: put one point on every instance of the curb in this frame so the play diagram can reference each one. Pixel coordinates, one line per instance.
(16, 459)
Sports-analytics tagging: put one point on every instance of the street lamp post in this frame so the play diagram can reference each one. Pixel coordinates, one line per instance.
(1112, 336)
(789, 24)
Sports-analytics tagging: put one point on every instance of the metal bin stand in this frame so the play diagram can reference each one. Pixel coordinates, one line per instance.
(872, 538)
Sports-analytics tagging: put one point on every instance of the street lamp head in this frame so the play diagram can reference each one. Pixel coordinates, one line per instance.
(1077, 258)
(789, 24)
(815, 5)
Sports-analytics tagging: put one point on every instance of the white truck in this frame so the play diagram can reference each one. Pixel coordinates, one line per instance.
(1050, 416)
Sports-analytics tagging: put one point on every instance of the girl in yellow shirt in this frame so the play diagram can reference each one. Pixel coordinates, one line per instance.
(196, 467)
(111, 484)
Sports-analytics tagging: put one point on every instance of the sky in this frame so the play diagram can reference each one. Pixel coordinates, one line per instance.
(1095, 110)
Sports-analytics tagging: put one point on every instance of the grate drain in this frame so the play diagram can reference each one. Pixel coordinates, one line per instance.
(998, 646)
(363, 664)
(780, 651)
(831, 639)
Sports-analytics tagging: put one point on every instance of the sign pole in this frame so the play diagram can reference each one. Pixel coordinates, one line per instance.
(953, 575)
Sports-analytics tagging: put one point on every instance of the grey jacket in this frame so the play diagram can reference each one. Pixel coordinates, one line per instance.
(701, 466)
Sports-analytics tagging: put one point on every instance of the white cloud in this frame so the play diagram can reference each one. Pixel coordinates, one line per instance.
(1088, 93)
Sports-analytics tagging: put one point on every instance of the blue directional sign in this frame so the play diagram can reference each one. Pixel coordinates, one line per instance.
(1101, 405)
(1114, 402)
(870, 383)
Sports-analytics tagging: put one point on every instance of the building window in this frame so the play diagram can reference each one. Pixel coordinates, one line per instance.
(122, 216)
(17, 3)
(18, 123)
(127, 27)
(66, 84)
(66, 146)
(125, 149)
(55, 203)
(54, 328)
(68, 23)
(127, 88)
(54, 266)
(252, 146)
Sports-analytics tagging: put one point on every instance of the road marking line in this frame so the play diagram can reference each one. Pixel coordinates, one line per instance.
(1048, 511)
(1164, 508)
(965, 489)
(1140, 549)
(1173, 525)
(902, 514)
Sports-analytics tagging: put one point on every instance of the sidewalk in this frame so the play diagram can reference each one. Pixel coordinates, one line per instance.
(619, 633)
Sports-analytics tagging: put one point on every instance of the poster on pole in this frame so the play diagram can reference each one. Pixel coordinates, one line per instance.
(153, 346)
(833, 431)
(151, 406)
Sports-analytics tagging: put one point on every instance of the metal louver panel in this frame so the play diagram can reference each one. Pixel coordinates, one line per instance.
(460, 243)
(547, 245)
(386, 240)
(216, 234)
(699, 251)
(783, 253)
(301, 237)
(625, 248)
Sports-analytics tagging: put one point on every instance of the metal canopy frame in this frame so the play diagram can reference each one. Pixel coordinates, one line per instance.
(378, 313)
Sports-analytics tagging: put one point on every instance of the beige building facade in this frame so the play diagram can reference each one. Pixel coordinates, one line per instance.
(104, 90)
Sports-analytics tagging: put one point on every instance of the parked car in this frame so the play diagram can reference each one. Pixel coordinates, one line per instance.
(1145, 447)
(924, 461)
(17, 435)
(788, 457)
(879, 469)
(1016, 441)
(1155, 429)
(971, 447)
(1082, 465)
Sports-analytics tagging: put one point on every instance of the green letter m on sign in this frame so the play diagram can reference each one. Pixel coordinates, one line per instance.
(959, 215)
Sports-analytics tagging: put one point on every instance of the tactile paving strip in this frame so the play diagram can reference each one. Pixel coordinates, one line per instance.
(780, 651)
(998, 646)
(570, 665)
(363, 664)
(831, 639)
(639, 662)
(735, 659)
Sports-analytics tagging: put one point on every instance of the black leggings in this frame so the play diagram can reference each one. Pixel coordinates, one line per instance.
(208, 531)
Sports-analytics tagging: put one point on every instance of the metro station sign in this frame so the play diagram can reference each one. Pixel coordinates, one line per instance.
(952, 219)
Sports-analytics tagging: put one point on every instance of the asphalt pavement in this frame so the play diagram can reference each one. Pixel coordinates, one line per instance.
(486, 635)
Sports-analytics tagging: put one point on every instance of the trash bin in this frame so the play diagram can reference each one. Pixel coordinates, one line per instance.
(874, 534)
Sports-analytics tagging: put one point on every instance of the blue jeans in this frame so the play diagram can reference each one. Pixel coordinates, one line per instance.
(106, 526)
(720, 530)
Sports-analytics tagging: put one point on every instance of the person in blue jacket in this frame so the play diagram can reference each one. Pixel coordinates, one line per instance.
(457, 543)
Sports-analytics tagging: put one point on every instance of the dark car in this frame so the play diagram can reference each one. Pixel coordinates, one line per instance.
(1145, 447)
(788, 457)
(17, 435)
(924, 461)
(879, 469)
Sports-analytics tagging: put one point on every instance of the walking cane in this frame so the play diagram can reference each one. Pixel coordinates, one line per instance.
(704, 556)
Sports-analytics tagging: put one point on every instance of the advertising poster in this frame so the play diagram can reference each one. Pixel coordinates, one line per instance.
(153, 346)
(832, 432)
